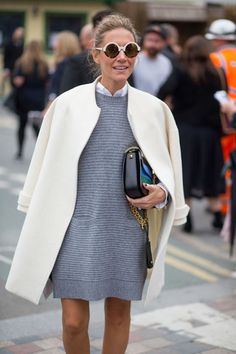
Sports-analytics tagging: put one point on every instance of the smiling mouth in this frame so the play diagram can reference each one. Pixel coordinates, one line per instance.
(120, 68)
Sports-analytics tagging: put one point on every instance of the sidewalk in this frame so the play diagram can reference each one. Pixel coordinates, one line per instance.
(198, 319)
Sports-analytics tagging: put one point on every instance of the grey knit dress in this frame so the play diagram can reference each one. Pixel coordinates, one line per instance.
(103, 251)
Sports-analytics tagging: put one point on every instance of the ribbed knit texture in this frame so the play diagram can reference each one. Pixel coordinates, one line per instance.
(103, 252)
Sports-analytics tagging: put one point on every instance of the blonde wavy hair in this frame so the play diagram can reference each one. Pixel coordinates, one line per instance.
(67, 45)
(33, 54)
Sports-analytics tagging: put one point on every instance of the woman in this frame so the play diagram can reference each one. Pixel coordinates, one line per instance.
(29, 79)
(191, 87)
(86, 244)
(66, 46)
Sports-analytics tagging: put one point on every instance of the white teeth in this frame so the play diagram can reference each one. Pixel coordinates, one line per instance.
(120, 67)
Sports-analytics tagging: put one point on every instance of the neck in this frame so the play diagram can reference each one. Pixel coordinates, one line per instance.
(112, 87)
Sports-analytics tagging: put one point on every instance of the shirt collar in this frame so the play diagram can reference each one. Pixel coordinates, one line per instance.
(120, 93)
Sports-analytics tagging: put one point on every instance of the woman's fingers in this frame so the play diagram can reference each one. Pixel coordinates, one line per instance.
(139, 203)
(150, 187)
(142, 200)
(156, 195)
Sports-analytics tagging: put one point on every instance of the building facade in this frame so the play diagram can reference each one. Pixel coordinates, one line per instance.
(43, 19)
(189, 16)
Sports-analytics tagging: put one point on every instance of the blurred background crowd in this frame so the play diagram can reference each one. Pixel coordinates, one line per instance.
(187, 59)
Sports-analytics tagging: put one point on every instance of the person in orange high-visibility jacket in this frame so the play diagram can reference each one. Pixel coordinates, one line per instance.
(225, 58)
(222, 33)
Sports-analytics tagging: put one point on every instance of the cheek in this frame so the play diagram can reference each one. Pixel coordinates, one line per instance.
(132, 62)
(106, 63)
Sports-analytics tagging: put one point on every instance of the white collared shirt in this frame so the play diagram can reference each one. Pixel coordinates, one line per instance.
(120, 93)
(104, 91)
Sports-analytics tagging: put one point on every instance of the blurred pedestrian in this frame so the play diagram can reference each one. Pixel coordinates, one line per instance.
(30, 77)
(197, 113)
(172, 48)
(78, 68)
(12, 51)
(66, 46)
(79, 226)
(222, 34)
(152, 68)
(86, 37)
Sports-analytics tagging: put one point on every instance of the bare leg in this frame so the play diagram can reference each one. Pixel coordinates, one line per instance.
(75, 320)
(117, 325)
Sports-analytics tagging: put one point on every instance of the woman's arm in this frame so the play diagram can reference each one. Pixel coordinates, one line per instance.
(169, 86)
(18, 78)
(229, 108)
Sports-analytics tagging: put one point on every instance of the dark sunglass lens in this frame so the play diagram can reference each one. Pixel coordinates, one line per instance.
(112, 50)
(131, 50)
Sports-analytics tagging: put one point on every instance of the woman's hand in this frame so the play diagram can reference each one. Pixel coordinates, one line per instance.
(229, 107)
(156, 196)
(18, 81)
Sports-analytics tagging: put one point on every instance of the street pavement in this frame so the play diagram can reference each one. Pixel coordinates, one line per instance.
(195, 313)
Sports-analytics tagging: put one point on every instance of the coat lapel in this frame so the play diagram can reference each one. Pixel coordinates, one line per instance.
(145, 127)
(84, 113)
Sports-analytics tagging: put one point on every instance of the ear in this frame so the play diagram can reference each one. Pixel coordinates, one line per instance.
(96, 56)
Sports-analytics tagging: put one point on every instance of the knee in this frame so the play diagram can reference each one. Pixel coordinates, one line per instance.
(117, 320)
(74, 326)
(117, 316)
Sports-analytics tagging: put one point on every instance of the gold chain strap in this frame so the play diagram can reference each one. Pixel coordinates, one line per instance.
(142, 220)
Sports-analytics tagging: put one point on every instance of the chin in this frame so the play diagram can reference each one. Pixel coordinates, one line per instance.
(121, 76)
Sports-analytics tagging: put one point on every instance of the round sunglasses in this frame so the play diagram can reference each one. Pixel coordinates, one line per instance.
(112, 49)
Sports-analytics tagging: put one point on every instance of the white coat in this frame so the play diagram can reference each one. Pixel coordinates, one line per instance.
(49, 193)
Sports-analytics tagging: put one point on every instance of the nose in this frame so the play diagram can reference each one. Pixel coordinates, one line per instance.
(121, 55)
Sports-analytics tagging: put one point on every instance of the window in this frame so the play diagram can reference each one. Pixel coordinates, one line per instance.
(9, 21)
(62, 22)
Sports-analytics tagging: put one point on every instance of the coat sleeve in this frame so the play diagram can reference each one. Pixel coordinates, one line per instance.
(36, 161)
(182, 208)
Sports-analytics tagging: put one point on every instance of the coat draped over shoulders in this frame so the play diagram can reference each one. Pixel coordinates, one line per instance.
(49, 193)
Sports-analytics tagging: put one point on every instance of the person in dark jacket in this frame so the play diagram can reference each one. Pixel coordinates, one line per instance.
(191, 87)
(12, 51)
(29, 79)
(66, 46)
(78, 68)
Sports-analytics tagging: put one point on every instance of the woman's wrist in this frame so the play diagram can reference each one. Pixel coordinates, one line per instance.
(164, 203)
